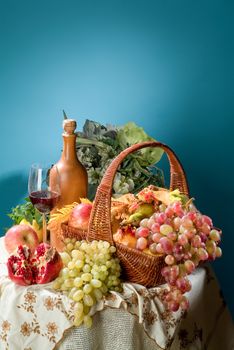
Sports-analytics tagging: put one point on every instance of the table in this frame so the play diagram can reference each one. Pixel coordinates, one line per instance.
(36, 317)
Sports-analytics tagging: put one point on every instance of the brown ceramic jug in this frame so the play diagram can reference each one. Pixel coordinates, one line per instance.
(73, 175)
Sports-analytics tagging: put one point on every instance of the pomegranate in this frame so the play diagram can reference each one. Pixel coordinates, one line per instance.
(25, 268)
(80, 215)
(46, 264)
(19, 266)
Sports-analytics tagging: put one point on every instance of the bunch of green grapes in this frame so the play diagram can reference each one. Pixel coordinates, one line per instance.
(90, 271)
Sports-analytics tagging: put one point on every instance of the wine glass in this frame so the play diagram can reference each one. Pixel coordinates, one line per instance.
(43, 193)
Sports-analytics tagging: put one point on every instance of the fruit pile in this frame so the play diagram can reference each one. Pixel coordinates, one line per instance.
(30, 262)
(155, 221)
(178, 231)
(161, 222)
(90, 271)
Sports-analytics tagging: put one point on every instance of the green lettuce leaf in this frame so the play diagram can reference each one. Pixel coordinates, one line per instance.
(130, 134)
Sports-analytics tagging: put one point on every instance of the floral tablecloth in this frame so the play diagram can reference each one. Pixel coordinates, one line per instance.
(36, 317)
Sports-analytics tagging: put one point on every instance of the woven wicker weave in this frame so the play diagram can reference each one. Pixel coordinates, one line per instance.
(137, 267)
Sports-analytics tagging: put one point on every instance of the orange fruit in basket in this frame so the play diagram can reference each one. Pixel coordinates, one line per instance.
(127, 239)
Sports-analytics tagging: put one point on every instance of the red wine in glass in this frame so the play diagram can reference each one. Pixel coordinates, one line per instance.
(44, 201)
(43, 193)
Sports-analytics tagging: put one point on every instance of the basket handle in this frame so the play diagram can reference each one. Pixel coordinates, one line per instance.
(100, 219)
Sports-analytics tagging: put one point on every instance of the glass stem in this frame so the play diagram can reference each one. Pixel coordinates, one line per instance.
(44, 228)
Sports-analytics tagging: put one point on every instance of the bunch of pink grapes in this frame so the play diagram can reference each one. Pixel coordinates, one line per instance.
(186, 238)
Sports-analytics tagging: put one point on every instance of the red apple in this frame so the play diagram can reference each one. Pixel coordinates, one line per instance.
(20, 235)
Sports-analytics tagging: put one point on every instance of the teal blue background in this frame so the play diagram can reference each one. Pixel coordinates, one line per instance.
(167, 65)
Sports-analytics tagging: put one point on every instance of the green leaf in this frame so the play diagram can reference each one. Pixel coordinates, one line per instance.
(130, 134)
(25, 211)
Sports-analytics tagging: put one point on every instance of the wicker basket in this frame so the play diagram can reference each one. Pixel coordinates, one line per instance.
(136, 266)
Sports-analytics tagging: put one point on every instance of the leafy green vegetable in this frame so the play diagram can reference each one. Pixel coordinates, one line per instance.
(98, 145)
(130, 134)
(25, 211)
